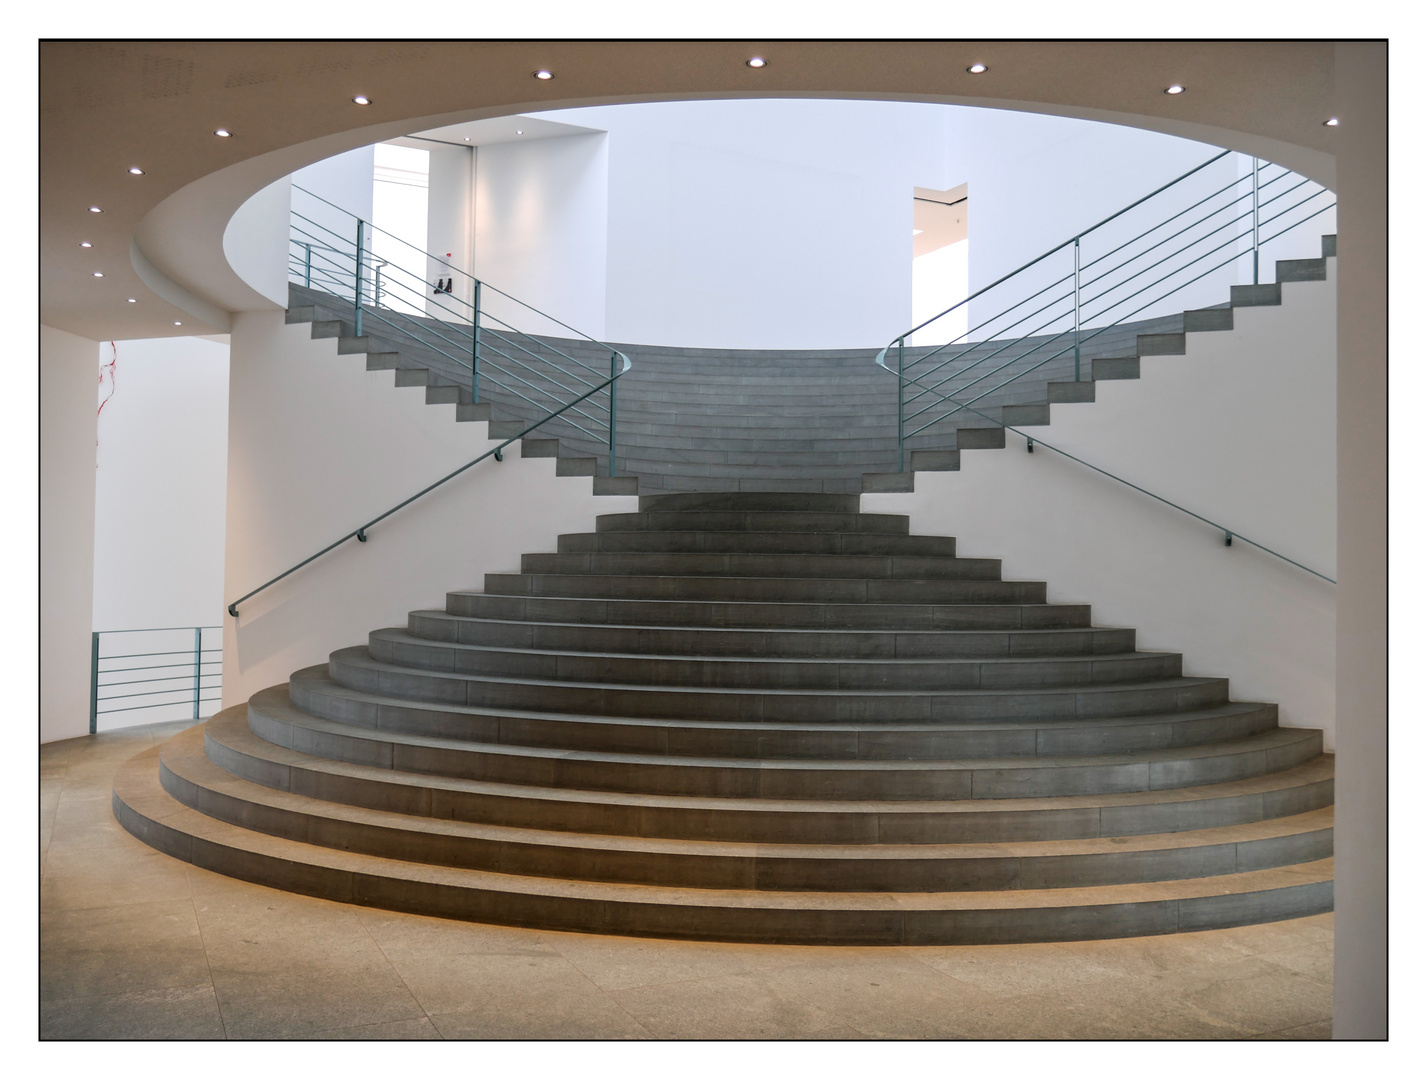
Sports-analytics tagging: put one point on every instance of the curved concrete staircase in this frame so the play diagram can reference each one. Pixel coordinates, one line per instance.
(757, 717)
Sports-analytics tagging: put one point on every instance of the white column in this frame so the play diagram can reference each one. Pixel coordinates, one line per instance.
(69, 369)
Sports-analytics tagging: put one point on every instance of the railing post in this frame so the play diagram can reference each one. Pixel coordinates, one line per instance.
(613, 401)
(1256, 219)
(1077, 309)
(307, 267)
(94, 683)
(360, 284)
(476, 347)
(197, 667)
(901, 402)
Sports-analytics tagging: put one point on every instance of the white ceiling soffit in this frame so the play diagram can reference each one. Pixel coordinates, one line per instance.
(500, 129)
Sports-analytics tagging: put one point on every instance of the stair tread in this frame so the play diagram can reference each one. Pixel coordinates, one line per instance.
(357, 654)
(137, 787)
(185, 755)
(1266, 740)
(318, 674)
(1319, 769)
(401, 634)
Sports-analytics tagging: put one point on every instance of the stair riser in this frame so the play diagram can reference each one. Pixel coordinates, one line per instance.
(794, 706)
(813, 926)
(775, 503)
(810, 616)
(852, 645)
(753, 871)
(758, 565)
(735, 672)
(770, 521)
(732, 822)
(752, 742)
(784, 590)
(861, 545)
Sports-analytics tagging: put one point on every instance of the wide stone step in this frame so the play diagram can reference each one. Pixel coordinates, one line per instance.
(151, 814)
(289, 755)
(759, 564)
(187, 774)
(356, 669)
(750, 503)
(762, 614)
(398, 647)
(755, 521)
(844, 644)
(785, 589)
(779, 543)
(789, 778)
(313, 690)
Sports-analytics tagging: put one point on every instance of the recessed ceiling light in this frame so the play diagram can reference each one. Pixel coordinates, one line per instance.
(136, 171)
(361, 99)
(977, 69)
(543, 74)
(223, 133)
(132, 300)
(519, 132)
(98, 274)
(1332, 121)
(176, 323)
(468, 138)
(756, 62)
(85, 243)
(1175, 89)
(95, 210)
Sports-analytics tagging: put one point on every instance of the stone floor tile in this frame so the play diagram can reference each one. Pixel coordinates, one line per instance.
(125, 872)
(1322, 1029)
(893, 996)
(117, 950)
(277, 997)
(1010, 970)
(420, 1028)
(398, 933)
(183, 1012)
(1264, 1000)
(1314, 961)
(747, 1006)
(1154, 955)
(618, 963)
(1109, 1009)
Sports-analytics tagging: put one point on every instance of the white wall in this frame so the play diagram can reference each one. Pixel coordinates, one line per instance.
(786, 223)
(159, 498)
(450, 212)
(1240, 430)
(541, 230)
(317, 446)
(69, 367)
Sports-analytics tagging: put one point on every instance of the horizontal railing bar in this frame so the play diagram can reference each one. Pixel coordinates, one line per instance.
(155, 705)
(1145, 270)
(534, 356)
(158, 629)
(987, 322)
(1207, 234)
(153, 667)
(135, 655)
(1290, 228)
(1193, 206)
(1059, 247)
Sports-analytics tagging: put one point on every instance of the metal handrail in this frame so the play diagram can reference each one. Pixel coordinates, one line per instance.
(1230, 536)
(360, 533)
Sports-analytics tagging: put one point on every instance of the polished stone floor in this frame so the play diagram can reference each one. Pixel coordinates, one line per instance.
(136, 945)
